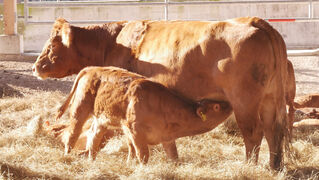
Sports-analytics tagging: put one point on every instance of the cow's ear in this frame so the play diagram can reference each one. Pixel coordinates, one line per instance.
(59, 23)
(57, 27)
(62, 28)
(66, 34)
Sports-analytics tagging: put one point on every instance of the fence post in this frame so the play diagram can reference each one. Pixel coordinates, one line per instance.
(26, 12)
(10, 17)
(310, 10)
(166, 10)
(10, 42)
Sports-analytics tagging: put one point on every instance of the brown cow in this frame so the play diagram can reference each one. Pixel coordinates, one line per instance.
(106, 93)
(242, 61)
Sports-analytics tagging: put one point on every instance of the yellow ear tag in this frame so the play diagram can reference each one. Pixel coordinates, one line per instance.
(203, 116)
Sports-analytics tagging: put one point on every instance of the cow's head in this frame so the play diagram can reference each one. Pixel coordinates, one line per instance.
(58, 57)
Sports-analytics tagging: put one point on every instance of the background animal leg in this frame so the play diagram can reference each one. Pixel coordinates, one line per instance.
(291, 118)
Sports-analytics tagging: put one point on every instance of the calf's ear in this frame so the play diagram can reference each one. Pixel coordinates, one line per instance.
(201, 112)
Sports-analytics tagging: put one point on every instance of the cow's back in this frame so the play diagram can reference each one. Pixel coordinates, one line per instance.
(200, 59)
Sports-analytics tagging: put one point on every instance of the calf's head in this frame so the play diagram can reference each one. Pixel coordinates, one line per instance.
(58, 57)
(216, 111)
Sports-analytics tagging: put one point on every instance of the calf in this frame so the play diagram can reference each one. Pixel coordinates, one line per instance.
(107, 94)
(155, 115)
(97, 92)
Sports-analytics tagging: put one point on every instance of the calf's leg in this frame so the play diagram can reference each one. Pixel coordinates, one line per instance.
(131, 150)
(136, 141)
(141, 150)
(95, 134)
(170, 149)
(80, 110)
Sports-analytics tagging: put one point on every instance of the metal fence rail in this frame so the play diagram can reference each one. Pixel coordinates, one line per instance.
(164, 3)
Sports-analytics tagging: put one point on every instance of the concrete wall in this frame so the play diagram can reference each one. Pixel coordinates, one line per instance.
(296, 34)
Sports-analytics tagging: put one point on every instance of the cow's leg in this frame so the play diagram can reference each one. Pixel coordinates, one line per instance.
(245, 103)
(250, 125)
(80, 111)
(170, 149)
(270, 113)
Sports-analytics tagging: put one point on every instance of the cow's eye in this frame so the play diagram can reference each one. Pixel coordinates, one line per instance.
(216, 107)
(54, 47)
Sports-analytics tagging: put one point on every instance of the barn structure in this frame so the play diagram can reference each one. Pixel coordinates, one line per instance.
(26, 24)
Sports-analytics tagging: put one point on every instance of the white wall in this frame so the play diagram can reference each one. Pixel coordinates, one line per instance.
(296, 34)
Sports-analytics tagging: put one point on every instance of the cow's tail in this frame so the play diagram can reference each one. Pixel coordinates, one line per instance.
(280, 66)
(66, 103)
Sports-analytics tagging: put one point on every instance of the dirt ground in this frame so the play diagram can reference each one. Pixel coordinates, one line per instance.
(16, 80)
(16, 77)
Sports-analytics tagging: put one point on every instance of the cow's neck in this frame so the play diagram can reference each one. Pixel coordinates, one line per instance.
(120, 56)
(93, 43)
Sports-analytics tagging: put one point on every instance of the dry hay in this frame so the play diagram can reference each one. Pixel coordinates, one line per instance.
(27, 152)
